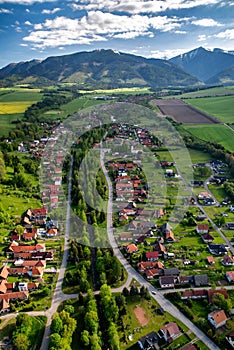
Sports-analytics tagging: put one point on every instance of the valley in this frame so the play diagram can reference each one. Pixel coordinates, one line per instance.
(141, 208)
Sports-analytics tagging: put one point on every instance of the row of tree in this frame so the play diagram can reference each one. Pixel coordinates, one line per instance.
(62, 329)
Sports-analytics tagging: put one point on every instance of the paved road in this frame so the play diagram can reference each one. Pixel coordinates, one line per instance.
(132, 273)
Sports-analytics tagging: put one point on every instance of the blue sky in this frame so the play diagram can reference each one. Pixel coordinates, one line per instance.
(151, 28)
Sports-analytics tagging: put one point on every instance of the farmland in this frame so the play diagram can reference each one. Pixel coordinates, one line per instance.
(182, 112)
(13, 103)
(216, 133)
(220, 107)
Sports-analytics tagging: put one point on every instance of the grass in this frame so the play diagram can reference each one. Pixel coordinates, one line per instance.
(156, 320)
(220, 107)
(211, 92)
(214, 133)
(133, 90)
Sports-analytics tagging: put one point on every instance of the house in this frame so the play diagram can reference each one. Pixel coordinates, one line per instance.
(228, 260)
(148, 342)
(158, 247)
(125, 237)
(230, 225)
(167, 281)
(151, 256)
(4, 273)
(200, 280)
(4, 306)
(202, 228)
(217, 249)
(131, 248)
(173, 271)
(207, 238)
(169, 237)
(230, 338)
(27, 286)
(52, 232)
(150, 274)
(147, 265)
(159, 213)
(185, 280)
(14, 296)
(230, 276)
(194, 294)
(217, 318)
(210, 260)
(169, 332)
(203, 195)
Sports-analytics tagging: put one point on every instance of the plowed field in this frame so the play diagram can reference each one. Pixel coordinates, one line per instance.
(181, 112)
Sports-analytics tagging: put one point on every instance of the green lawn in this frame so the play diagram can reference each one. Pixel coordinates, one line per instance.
(155, 320)
(211, 92)
(214, 133)
(220, 107)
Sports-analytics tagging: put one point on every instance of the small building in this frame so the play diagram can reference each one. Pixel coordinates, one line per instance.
(167, 281)
(217, 318)
(151, 256)
(200, 280)
(210, 260)
(202, 228)
(131, 248)
(217, 249)
(230, 276)
(149, 341)
(169, 332)
(228, 260)
(207, 238)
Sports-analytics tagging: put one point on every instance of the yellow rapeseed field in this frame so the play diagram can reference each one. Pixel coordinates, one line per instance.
(14, 107)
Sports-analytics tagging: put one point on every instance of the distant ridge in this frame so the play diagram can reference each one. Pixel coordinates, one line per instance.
(99, 69)
(205, 64)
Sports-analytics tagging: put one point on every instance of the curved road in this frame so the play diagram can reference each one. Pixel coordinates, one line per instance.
(163, 302)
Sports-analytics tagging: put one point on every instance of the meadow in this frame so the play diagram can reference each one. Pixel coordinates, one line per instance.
(213, 133)
(13, 103)
(220, 107)
(210, 92)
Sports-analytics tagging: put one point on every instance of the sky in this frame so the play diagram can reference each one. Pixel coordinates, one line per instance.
(37, 29)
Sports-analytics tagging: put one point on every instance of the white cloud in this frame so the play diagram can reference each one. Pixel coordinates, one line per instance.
(28, 23)
(48, 12)
(180, 32)
(166, 54)
(6, 11)
(98, 26)
(227, 34)
(202, 37)
(24, 2)
(140, 6)
(206, 22)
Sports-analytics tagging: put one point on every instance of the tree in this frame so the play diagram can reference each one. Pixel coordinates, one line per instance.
(219, 300)
(85, 338)
(113, 337)
(56, 325)
(55, 340)
(21, 342)
(2, 167)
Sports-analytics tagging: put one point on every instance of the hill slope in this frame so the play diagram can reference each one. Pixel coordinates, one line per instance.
(204, 64)
(101, 69)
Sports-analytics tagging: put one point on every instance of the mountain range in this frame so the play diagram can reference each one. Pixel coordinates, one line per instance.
(112, 69)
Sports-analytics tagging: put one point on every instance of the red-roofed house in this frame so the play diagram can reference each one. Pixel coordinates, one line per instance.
(217, 318)
(230, 276)
(210, 260)
(202, 228)
(228, 260)
(211, 292)
(169, 332)
(131, 248)
(151, 256)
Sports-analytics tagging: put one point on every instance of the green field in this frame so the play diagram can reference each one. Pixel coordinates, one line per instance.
(220, 107)
(13, 103)
(211, 92)
(133, 91)
(213, 133)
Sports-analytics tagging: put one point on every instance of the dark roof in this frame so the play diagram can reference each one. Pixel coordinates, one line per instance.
(201, 280)
(171, 272)
(217, 249)
(148, 340)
